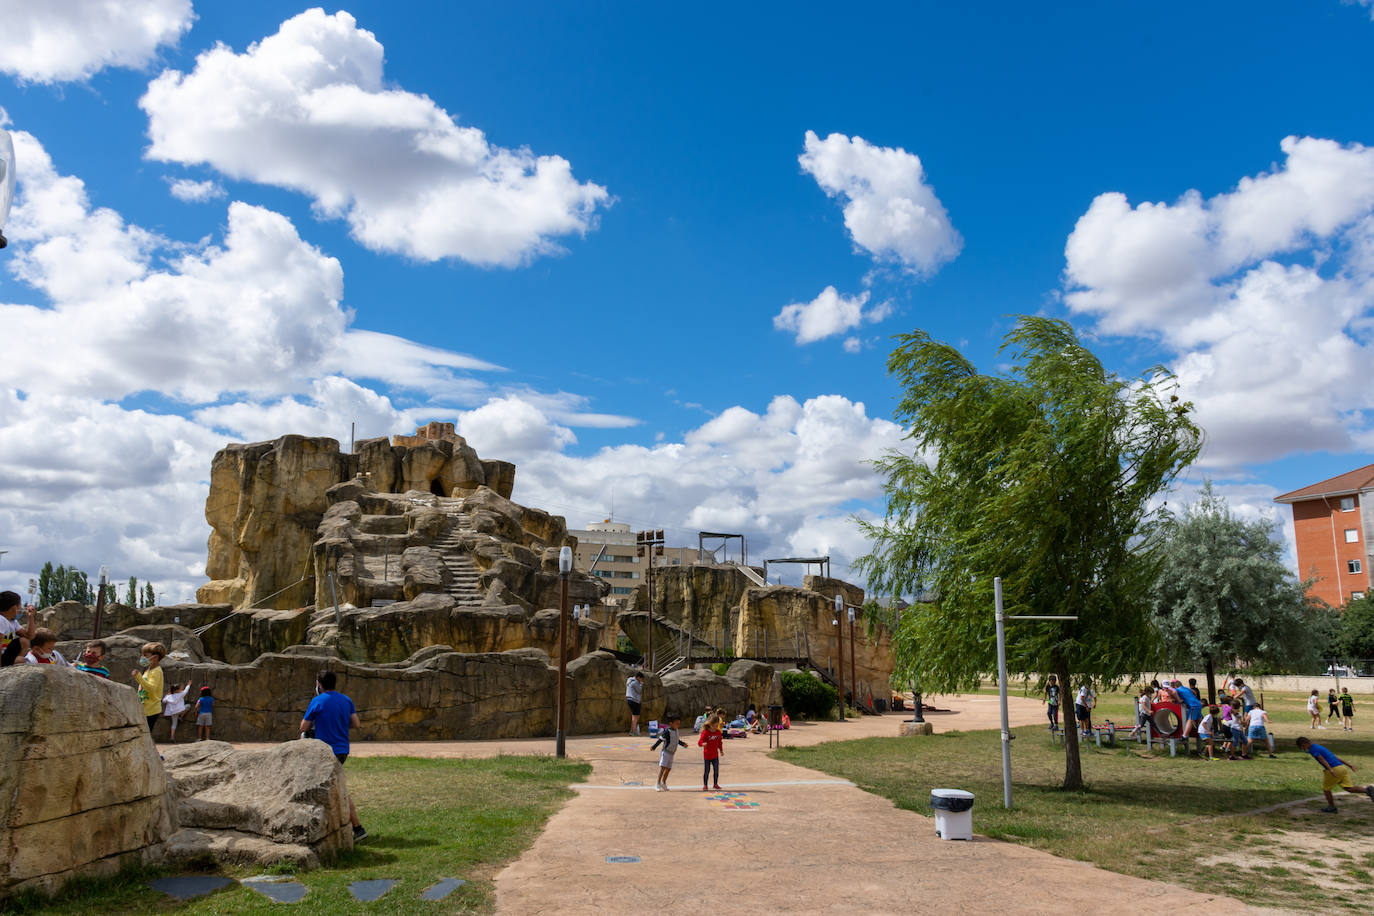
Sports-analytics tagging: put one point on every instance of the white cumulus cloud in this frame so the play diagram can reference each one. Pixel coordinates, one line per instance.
(890, 210)
(51, 41)
(308, 109)
(195, 191)
(827, 315)
(1263, 294)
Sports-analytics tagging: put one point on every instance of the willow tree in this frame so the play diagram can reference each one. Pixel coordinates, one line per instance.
(1045, 476)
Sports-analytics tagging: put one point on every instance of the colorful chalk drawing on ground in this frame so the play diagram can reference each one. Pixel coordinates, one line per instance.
(732, 801)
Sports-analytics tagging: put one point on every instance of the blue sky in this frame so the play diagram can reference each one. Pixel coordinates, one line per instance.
(582, 227)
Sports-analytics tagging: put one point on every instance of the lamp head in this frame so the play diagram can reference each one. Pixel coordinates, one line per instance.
(839, 605)
(104, 575)
(565, 561)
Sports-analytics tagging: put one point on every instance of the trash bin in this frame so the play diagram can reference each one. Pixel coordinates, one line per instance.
(953, 813)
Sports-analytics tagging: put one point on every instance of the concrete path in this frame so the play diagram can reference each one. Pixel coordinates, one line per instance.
(795, 841)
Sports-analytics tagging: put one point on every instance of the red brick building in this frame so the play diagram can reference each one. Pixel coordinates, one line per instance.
(1333, 521)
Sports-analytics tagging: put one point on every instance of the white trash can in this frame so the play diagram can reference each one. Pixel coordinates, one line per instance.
(953, 813)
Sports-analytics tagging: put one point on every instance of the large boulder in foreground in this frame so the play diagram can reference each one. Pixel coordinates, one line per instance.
(82, 792)
(258, 807)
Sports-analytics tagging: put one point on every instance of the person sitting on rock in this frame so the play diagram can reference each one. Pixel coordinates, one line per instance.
(14, 639)
(92, 659)
(43, 649)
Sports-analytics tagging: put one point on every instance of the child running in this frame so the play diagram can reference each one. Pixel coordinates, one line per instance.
(205, 709)
(1331, 704)
(1336, 772)
(710, 742)
(1314, 709)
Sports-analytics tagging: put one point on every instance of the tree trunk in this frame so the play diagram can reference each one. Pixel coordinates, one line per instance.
(1073, 766)
(1211, 683)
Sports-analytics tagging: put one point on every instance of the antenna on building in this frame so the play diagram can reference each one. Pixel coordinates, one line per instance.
(352, 431)
(612, 502)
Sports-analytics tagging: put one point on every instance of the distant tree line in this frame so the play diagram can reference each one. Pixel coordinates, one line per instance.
(62, 583)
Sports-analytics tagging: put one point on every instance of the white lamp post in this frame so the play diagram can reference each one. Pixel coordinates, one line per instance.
(564, 569)
(6, 180)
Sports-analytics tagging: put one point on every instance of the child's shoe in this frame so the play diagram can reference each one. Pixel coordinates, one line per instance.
(658, 787)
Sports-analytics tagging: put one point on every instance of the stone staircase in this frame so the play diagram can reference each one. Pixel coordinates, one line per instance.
(463, 585)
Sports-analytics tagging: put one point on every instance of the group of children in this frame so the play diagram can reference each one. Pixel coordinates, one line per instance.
(1237, 722)
(1345, 702)
(39, 647)
(713, 729)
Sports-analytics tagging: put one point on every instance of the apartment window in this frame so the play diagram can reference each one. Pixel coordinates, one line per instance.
(1347, 504)
(622, 591)
(1352, 535)
(1356, 595)
(1354, 566)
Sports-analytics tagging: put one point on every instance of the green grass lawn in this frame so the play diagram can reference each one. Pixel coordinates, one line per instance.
(1137, 804)
(427, 820)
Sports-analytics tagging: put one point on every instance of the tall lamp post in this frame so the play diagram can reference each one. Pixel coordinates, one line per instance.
(564, 568)
(839, 631)
(103, 580)
(648, 545)
(853, 678)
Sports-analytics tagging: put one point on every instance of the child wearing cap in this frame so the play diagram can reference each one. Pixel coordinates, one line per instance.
(667, 736)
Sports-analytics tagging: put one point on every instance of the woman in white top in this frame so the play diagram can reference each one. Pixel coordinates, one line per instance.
(1314, 709)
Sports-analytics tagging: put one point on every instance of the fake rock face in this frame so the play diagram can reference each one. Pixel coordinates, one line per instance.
(82, 792)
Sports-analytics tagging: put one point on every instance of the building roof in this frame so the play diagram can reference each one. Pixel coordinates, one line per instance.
(1341, 485)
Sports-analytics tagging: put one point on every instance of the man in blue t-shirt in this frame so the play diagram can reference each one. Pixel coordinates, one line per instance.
(1192, 708)
(332, 714)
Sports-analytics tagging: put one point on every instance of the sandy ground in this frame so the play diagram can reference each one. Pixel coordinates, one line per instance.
(781, 838)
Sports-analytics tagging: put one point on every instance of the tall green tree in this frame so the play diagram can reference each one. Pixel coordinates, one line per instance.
(149, 599)
(1354, 632)
(131, 593)
(1224, 595)
(1044, 476)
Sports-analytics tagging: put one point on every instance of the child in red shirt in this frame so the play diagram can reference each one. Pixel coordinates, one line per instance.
(710, 742)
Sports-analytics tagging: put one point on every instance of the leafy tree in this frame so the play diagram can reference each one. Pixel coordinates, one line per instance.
(1354, 636)
(149, 599)
(1224, 594)
(131, 593)
(1043, 476)
(62, 584)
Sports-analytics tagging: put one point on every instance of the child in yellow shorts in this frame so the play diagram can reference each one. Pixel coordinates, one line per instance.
(1336, 772)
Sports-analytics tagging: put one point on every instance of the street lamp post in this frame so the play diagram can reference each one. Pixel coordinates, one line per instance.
(6, 180)
(104, 580)
(839, 631)
(853, 678)
(564, 568)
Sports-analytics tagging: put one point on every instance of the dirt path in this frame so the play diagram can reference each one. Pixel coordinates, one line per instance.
(780, 837)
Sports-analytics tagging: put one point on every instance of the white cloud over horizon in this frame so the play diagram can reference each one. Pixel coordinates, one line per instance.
(57, 41)
(308, 109)
(185, 189)
(1264, 295)
(890, 210)
(247, 338)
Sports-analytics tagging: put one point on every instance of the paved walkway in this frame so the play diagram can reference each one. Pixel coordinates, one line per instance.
(803, 842)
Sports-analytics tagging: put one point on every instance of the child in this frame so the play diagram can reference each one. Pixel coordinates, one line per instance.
(1336, 773)
(93, 659)
(710, 742)
(1257, 719)
(205, 708)
(667, 736)
(1347, 710)
(1082, 708)
(150, 681)
(1238, 746)
(1205, 729)
(14, 639)
(1052, 702)
(173, 707)
(1331, 704)
(1314, 710)
(701, 720)
(43, 649)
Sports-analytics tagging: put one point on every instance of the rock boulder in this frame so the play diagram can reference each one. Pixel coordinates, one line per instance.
(82, 792)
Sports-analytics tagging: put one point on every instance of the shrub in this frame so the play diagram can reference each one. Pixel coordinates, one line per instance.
(807, 697)
(720, 668)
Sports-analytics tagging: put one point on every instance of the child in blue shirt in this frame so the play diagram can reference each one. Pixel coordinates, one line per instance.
(1336, 773)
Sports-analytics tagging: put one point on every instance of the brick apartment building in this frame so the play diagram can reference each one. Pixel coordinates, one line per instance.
(1333, 521)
